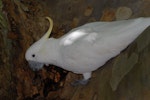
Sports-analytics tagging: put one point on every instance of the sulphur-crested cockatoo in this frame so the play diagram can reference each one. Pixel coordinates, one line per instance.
(85, 48)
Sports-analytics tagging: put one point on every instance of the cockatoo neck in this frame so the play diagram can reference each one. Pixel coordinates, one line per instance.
(54, 49)
(56, 52)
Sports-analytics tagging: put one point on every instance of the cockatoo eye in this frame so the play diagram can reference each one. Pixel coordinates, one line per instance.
(33, 55)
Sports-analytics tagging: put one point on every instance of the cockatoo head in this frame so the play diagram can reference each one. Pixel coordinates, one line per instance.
(32, 53)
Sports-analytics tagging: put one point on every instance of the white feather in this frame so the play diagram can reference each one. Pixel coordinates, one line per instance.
(97, 42)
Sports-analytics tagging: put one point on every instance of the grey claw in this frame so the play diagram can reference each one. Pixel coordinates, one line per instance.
(79, 82)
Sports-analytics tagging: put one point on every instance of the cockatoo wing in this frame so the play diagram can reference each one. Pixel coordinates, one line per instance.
(88, 47)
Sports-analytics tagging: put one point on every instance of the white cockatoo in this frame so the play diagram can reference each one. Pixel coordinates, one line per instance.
(85, 48)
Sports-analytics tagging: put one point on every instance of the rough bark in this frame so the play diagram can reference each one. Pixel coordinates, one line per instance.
(22, 22)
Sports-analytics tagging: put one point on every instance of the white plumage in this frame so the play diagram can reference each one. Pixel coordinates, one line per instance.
(86, 48)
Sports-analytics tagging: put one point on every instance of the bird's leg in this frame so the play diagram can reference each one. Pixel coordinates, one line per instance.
(84, 81)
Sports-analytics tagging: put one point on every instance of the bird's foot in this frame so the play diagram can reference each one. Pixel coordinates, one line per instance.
(79, 82)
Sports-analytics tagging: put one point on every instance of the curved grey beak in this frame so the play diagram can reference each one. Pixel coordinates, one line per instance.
(35, 65)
